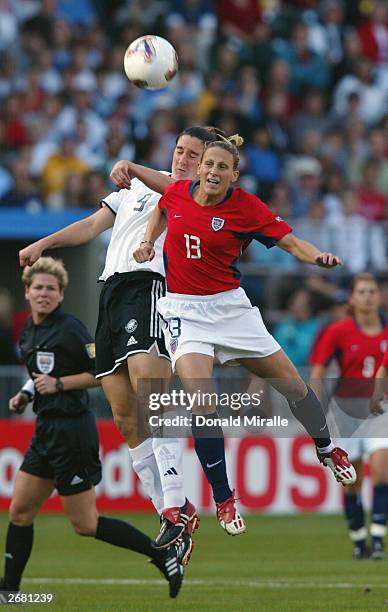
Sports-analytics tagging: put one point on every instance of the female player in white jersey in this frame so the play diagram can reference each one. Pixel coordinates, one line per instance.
(209, 223)
(128, 330)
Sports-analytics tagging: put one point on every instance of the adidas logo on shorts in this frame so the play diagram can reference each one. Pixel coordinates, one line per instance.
(132, 340)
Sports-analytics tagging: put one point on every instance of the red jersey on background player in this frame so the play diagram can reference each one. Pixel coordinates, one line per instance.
(358, 355)
(381, 387)
(358, 343)
(205, 242)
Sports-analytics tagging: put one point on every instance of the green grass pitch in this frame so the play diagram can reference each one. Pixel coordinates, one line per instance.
(284, 563)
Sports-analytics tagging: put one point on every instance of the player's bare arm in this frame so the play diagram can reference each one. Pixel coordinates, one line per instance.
(123, 171)
(156, 226)
(380, 389)
(307, 252)
(46, 385)
(75, 234)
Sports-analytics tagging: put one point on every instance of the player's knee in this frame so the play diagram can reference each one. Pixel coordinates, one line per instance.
(295, 390)
(82, 527)
(125, 424)
(20, 516)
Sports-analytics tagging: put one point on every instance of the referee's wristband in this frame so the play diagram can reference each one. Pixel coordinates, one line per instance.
(28, 389)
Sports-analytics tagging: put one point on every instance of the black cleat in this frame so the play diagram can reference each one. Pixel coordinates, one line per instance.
(5, 590)
(171, 568)
(361, 551)
(174, 523)
(377, 552)
(184, 547)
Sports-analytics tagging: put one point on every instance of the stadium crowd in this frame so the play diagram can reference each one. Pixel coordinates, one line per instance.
(305, 82)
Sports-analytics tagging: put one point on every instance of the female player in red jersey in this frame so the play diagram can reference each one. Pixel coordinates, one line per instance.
(381, 386)
(209, 223)
(357, 343)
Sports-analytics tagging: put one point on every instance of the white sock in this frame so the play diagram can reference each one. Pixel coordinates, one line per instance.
(169, 457)
(145, 466)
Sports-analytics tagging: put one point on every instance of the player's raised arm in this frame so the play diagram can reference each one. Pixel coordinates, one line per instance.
(123, 171)
(73, 235)
(307, 252)
(156, 226)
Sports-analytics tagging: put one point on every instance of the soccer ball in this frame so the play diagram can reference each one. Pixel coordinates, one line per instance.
(150, 62)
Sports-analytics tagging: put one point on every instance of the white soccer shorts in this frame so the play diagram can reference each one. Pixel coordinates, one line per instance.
(224, 325)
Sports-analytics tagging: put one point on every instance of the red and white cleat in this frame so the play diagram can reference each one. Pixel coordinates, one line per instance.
(338, 461)
(194, 519)
(228, 516)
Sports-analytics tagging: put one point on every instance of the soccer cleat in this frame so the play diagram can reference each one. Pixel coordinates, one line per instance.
(337, 460)
(361, 551)
(184, 547)
(174, 522)
(194, 519)
(171, 569)
(377, 552)
(229, 518)
(5, 590)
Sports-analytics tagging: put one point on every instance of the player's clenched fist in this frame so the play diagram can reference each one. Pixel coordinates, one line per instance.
(328, 260)
(145, 252)
(30, 254)
(120, 174)
(18, 403)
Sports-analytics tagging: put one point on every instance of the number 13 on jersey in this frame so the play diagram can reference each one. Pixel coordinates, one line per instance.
(193, 246)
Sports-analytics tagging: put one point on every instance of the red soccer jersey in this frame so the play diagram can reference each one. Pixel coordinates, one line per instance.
(384, 362)
(358, 355)
(203, 243)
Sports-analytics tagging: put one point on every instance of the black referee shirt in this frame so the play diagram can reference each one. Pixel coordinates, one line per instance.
(60, 346)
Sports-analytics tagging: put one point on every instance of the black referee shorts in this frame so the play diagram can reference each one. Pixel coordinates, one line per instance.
(65, 450)
(128, 321)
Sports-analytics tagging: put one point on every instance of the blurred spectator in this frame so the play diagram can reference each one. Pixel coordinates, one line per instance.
(313, 226)
(312, 117)
(359, 243)
(308, 69)
(326, 38)
(305, 179)
(369, 89)
(57, 168)
(374, 34)
(262, 160)
(333, 190)
(7, 346)
(238, 18)
(23, 193)
(297, 332)
(373, 203)
(377, 150)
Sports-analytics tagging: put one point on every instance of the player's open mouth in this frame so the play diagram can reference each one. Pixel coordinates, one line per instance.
(212, 181)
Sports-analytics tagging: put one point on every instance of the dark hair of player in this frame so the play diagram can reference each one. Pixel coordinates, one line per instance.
(204, 134)
(229, 144)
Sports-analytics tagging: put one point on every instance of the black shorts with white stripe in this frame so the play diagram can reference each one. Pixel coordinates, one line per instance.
(128, 321)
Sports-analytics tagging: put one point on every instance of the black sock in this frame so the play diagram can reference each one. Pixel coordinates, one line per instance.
(120, 533)
(210, 449)
(18, 548)
(354, 512)
(309, 412)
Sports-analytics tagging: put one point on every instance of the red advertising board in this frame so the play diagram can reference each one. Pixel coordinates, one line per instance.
(269, 474)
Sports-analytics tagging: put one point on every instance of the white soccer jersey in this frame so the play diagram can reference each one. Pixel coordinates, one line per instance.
(133, 208)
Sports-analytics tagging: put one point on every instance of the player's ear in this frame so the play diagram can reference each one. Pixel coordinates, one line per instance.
(235, 176)
(198, 167)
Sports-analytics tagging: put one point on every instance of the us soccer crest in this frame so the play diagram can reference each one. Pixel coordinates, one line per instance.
(45, 362)
(217, 223)
(173, 345)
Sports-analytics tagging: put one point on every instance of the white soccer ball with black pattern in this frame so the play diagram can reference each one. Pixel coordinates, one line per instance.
(150, 62)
